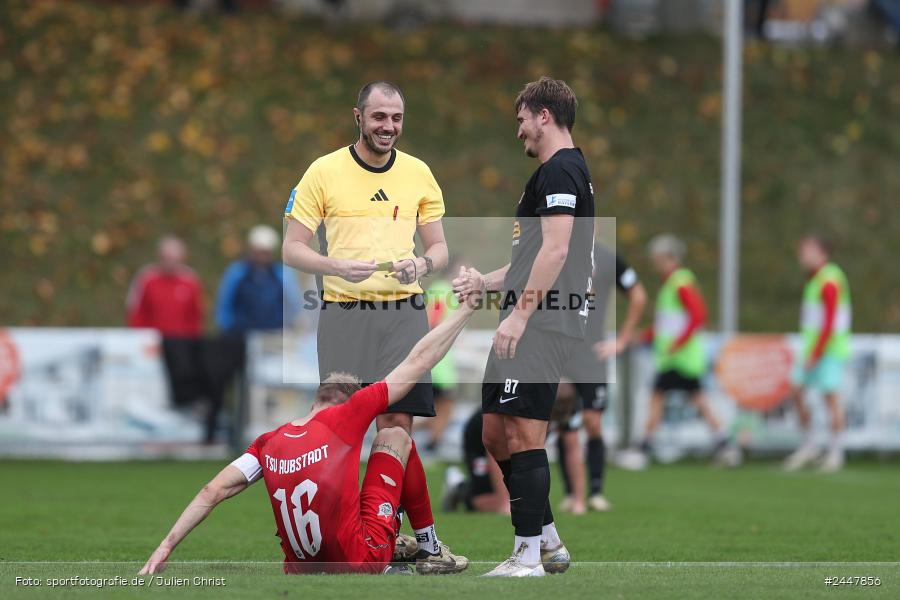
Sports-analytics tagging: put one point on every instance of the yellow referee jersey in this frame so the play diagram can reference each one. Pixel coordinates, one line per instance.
(369, 213)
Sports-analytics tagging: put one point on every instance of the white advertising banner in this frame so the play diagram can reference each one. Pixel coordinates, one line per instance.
(102, 394)
(87, 394)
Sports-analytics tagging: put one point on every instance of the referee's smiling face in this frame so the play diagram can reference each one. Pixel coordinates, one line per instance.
(531, 129)
(381, 122)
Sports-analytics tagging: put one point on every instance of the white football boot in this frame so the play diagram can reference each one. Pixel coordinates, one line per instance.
(802, 457)
(566, 503)
(833, 461)
(632, 459)
(599, 503)
(513, 567)
(730, 456)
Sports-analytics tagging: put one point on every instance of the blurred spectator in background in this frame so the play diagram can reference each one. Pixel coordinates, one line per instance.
(253, 294)
(825, 345)
(481, 488)
(678, 346)
(168, 296)
(256, 294)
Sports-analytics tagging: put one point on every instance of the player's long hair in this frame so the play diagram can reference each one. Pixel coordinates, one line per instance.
(337, 387)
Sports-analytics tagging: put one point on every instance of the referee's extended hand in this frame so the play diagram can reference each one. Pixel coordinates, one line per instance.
(355, 271)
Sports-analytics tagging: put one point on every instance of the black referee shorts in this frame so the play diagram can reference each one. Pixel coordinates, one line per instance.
(526, 385)
(369, 339)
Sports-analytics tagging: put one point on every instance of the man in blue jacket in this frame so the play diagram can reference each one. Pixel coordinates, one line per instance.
(256, 292)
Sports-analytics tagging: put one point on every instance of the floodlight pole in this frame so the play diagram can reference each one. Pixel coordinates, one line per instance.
(729, 233)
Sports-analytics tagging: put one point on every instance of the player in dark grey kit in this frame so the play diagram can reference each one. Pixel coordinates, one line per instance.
(544, 308)
(585, 392)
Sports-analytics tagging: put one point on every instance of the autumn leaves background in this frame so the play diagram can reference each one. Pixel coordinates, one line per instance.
(118, 124)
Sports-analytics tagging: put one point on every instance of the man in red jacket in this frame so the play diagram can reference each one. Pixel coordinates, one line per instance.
(168, 296)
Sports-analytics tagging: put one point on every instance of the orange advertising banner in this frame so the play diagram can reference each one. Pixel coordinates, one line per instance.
(755, 370)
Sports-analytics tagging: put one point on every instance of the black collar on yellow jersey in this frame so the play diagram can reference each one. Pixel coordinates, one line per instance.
(368, 167)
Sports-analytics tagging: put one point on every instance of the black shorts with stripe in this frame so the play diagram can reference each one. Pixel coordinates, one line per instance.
(525, 386)
(588, 396)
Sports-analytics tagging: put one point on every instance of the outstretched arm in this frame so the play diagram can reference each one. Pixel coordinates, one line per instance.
(429, 350)
(475, 282)
(229, 482)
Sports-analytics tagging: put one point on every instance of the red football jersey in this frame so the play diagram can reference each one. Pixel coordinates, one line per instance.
(312, 476)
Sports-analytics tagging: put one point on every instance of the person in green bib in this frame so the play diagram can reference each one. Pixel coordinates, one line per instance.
(824, 348)
(678, 345)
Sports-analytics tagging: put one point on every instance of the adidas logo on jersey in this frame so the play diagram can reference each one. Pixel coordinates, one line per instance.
(379, 196)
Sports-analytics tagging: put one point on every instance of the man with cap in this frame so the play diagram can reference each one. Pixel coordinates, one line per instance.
(254, 294)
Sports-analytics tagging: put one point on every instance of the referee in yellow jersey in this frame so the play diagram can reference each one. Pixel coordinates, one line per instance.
(366, 202)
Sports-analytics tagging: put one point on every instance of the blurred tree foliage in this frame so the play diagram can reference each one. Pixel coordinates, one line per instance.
(122, 123)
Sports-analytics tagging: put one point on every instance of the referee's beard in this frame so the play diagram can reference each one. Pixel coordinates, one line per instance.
(371, 145)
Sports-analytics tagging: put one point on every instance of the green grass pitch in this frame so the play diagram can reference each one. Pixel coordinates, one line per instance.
(680, 531)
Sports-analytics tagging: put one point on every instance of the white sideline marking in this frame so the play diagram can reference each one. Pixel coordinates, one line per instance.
(666, 564)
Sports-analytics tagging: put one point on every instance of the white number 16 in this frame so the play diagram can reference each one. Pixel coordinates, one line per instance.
(307, 522)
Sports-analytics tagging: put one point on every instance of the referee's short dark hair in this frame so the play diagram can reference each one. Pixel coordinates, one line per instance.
(554, 95)
(388, 88)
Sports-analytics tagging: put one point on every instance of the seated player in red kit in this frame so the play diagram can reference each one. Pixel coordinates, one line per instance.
(311, 469)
